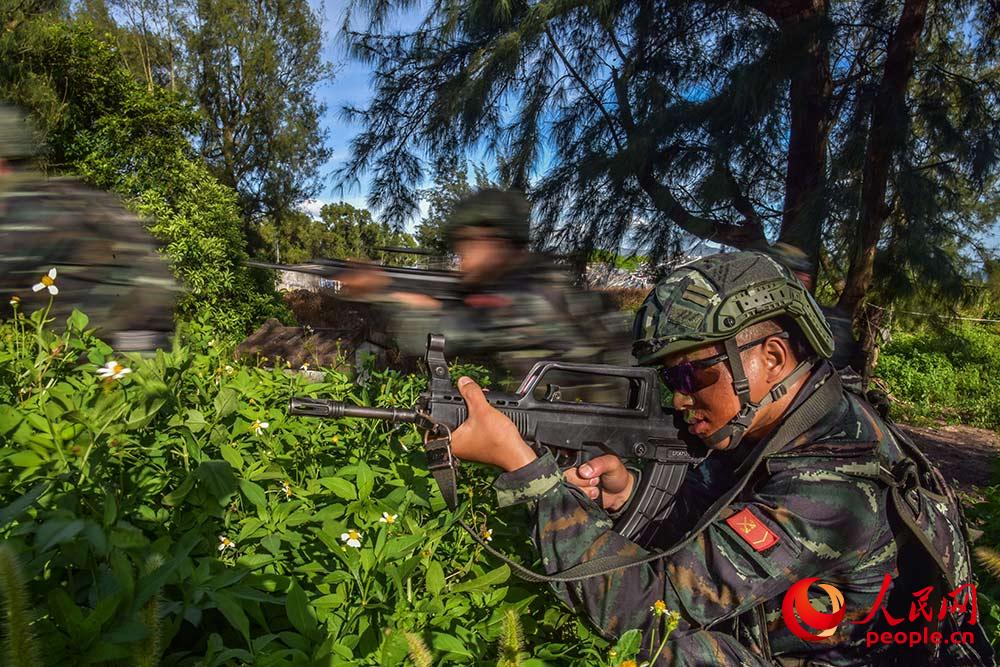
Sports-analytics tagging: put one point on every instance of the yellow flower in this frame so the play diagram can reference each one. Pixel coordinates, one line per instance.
(659, 608)
(286, 488)
(388, 518)
(258, 426)
(15, 300)
(486, 534)
(48, 281)
(352, 537)
(225, 543)
(628, 663)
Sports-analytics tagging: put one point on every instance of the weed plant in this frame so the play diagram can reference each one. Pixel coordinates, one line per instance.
(167, 511)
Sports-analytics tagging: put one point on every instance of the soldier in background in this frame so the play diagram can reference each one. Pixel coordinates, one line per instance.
(514, 307)
(76, 245)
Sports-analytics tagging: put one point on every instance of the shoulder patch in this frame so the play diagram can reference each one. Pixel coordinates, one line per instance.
(752, 530)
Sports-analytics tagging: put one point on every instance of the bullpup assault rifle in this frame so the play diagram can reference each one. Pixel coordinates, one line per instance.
(634, 426)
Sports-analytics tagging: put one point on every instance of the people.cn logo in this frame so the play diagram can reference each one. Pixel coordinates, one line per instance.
(800, 614)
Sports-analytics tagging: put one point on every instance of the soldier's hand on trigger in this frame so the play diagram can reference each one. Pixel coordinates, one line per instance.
(604, 476)
(488, 436)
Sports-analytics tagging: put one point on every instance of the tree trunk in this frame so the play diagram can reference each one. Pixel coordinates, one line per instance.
(886, 136)
(809, 105)
(804, 23)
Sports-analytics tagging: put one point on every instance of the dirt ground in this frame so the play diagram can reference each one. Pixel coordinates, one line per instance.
(966, 456)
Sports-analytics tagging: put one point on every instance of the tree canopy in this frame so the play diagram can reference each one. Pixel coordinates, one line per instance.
(121, 135)
(252, 68)
(852, 129)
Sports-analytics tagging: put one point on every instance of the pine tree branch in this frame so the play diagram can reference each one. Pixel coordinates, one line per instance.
(586, 88)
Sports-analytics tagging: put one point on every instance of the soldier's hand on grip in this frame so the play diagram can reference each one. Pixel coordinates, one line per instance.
(605, 476)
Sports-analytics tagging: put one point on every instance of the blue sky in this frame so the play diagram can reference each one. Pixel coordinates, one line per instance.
(350, 85)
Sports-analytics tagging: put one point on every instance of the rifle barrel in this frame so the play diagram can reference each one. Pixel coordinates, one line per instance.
(317, 407)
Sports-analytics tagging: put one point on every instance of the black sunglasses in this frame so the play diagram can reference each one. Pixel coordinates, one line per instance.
(683, 377)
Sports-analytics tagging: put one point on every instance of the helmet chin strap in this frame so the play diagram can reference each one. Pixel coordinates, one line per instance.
(737, 426)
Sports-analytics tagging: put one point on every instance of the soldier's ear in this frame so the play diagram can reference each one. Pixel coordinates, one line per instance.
(777, 357)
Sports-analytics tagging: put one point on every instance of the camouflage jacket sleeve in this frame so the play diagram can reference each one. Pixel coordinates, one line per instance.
(790, 527)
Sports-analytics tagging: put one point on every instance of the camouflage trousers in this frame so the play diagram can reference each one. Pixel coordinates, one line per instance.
(704, 648)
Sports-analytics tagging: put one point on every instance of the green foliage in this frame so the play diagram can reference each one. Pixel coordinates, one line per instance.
(263, 136)
(624, 262)
(133, 139)
(177, 514)
(251, 68)
(947, 374)
(21, 646)
(985, 516)
(341, 232)
(625, 123)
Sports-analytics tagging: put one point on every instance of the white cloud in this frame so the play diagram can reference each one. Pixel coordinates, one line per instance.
(312, 206)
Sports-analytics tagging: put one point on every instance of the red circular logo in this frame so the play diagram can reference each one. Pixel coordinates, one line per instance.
(797, 610)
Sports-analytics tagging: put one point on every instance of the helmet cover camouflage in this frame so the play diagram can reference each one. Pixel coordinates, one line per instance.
(504, 212)
(713, 298)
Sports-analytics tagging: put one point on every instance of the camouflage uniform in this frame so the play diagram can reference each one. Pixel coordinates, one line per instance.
(813, 504)
(528, 312)
(107, 264)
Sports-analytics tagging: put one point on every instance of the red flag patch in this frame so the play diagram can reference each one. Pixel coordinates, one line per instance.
(753, 531)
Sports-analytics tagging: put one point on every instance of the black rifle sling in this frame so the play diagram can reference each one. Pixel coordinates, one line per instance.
(827, 394)
(442, 466)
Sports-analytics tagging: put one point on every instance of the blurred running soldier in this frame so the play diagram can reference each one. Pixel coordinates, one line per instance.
(515, 307)
(76, 245)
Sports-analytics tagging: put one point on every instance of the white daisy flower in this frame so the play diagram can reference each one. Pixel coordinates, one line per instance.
(113, 371)
(258, 426)
(388, 518)
(48, 282)
(286, 489)
(225, 543)
(15, 301)
(352, 537)
(486, 534)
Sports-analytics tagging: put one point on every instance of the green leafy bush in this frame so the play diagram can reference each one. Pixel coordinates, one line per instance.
(173, 514)
(952, 374)
(124, 136)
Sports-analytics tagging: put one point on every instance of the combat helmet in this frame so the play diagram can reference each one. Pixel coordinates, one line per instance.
(712, 299)
(504, 212)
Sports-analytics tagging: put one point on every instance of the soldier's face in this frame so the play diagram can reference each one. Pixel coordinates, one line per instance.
(480, 254)
(711, 401)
